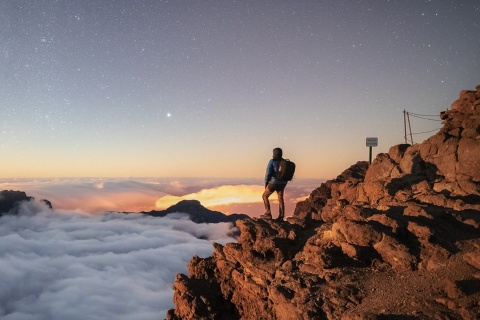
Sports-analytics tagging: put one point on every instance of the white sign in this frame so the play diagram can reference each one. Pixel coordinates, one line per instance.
(372, 142)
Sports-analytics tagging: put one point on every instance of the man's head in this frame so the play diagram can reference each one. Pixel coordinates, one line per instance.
(277, 153)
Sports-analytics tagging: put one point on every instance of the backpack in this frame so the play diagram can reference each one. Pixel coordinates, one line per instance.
(286, 170)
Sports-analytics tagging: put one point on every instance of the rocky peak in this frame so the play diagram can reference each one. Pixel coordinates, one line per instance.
(9, 200)
(197, 213)
(397, 238)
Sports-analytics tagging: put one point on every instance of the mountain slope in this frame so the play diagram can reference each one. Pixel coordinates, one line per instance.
(397, 239)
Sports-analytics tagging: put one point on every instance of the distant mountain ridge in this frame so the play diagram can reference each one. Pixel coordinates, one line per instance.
(197, 213)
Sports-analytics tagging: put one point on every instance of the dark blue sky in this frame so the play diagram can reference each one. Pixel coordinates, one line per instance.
(146, 88)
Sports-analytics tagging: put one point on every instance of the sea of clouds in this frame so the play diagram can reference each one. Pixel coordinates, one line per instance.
(97, 195)
(57, 264)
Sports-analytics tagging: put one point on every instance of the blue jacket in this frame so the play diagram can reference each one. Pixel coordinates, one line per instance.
(270, 175)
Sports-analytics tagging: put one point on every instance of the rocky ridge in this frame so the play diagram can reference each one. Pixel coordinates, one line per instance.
(197, 213)
(10, 201)
(399, 238)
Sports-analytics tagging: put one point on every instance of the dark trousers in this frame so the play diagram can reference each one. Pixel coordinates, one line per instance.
(269, 189)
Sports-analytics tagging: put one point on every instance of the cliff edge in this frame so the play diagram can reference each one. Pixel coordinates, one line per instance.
(398, 238)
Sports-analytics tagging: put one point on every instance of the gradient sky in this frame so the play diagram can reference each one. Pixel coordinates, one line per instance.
(208, 88)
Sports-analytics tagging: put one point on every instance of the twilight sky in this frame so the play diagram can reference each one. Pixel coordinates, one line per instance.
(208, 88)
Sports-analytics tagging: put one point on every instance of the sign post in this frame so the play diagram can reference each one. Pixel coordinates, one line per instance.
(371, 142)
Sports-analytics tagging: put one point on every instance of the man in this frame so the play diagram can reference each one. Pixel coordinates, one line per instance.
(274, 184)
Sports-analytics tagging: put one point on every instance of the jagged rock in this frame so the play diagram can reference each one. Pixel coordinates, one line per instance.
(9, 200)
(399, 238)
(197, 213)
(395, 253)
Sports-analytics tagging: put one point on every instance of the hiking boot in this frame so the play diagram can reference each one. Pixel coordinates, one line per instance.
(267, 216)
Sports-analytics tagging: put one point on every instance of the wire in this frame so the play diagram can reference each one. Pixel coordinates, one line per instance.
(426, 131)
(423, 115)
(424, 118)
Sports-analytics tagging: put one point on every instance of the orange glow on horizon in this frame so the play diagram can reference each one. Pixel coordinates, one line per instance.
(218, 196)
(120, 201)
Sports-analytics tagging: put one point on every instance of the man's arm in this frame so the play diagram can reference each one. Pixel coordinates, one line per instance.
(270, 172)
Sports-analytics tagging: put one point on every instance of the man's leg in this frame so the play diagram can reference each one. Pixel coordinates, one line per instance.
(281, 205)
(267, 193)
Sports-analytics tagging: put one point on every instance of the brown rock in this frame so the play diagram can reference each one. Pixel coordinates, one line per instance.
(412, 162)
(469, 159)
(360, 234)
(396, 152)
(473, 259)
(395, 254)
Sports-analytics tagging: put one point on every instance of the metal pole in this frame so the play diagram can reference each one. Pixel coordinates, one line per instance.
(410, 127)
(370, 155)
(405, 125)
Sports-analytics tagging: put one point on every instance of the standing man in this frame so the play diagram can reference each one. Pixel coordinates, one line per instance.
(272, 184)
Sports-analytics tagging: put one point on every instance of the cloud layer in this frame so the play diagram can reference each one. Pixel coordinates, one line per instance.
(66, 265)
(97, 195)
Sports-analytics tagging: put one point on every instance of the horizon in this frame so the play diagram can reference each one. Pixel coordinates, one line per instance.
(99, 195)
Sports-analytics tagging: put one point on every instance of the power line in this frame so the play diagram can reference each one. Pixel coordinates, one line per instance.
(415, 133)
(420, 117)
(423, 115)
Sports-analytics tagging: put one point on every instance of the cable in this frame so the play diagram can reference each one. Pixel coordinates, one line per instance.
(426, 131)
(424, 115)
(424, 118)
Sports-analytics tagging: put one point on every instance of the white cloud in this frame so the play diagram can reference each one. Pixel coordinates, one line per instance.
(66, 265)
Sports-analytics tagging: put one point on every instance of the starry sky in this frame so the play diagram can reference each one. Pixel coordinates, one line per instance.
(208, 88)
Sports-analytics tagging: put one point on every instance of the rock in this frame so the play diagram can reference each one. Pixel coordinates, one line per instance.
(473, 259)
(9, 201)
(359, 234)
(468, 160)
(395, 253)
(397, 152)
(197, 213)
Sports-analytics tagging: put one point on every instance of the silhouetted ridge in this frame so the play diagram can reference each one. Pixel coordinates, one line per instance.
(9, 200)
(197, 213)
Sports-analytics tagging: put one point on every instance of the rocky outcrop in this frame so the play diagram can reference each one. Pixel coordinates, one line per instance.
(399, 238)
(197, 213)
(10, 201)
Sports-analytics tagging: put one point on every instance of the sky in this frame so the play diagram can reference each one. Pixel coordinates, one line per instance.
(208, 88)
(67, 265)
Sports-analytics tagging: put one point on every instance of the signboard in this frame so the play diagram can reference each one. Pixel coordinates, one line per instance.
(372, 142)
